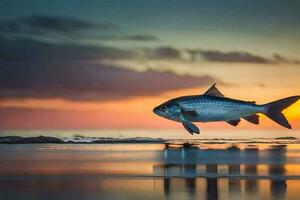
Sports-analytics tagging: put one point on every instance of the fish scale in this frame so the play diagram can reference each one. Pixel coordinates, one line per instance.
(212, 108)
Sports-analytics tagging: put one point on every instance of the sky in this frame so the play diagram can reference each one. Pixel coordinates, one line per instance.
(106, 64)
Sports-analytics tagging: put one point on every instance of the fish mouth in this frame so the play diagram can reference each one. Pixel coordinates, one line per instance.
(158, 112)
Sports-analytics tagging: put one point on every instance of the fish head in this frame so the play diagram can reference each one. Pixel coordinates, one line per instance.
(168, 110)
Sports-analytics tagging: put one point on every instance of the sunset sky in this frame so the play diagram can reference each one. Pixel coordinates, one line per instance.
(106, 64)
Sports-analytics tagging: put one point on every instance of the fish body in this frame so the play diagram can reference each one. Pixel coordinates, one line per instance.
(214, 106)
(211, 108)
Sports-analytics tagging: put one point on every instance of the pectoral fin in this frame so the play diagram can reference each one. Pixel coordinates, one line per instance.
(252, 119)
(234, 122)
(191, 128)
(189, 114)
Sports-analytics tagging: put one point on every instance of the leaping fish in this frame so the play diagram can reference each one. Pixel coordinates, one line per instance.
(214, 106)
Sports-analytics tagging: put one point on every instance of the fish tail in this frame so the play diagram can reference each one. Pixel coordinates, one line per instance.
(274, 109)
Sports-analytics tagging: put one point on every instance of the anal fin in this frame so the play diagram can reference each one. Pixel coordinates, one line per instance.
(234, 122)
(252, 119)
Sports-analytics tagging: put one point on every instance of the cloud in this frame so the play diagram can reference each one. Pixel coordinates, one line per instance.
(30, 68)
(163, 53)
(237, 57)
(281, 59)
(64, 24)
(42, 70)
(41, 24)
(78, 81)
(197, 55)
(234, 56)
(66, 29)
(22, 50)
(69, 30)
(142, 38)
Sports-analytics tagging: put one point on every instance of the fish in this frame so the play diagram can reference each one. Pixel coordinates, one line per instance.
(213, 106)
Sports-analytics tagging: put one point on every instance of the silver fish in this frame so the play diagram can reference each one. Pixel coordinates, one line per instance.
(214, 106)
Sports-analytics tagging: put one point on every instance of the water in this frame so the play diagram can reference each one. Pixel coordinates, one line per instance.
(150, 171)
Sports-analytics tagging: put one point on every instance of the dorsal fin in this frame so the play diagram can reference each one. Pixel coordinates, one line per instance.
(213, 91)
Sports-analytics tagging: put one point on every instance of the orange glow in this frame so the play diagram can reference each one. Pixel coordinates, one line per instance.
(135, 112)
(293, 112)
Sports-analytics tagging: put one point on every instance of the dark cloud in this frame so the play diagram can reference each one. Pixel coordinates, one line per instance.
(237, 57)
(281, 59)
(77, 81)
(234, 56)
(142, 38)
(168, 52)
(41, 24)
(10, 27)
(33, 51)
(64, 24)
(66, 29)
(163, 53)
(36, 69)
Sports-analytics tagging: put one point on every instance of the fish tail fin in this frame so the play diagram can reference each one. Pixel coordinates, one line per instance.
(274, 109)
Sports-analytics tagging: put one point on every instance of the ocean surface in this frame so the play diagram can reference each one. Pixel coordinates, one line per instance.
(175, 170)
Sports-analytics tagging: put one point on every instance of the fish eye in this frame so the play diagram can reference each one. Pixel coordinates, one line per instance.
(163, 108)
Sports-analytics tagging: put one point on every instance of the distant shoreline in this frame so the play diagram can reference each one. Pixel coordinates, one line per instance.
(138, 140)
(82, 140)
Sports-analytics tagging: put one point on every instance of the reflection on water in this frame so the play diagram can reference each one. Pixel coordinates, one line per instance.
(237, 187)
(149, 171)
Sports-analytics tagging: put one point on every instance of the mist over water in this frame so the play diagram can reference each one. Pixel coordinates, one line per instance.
(207, 170)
